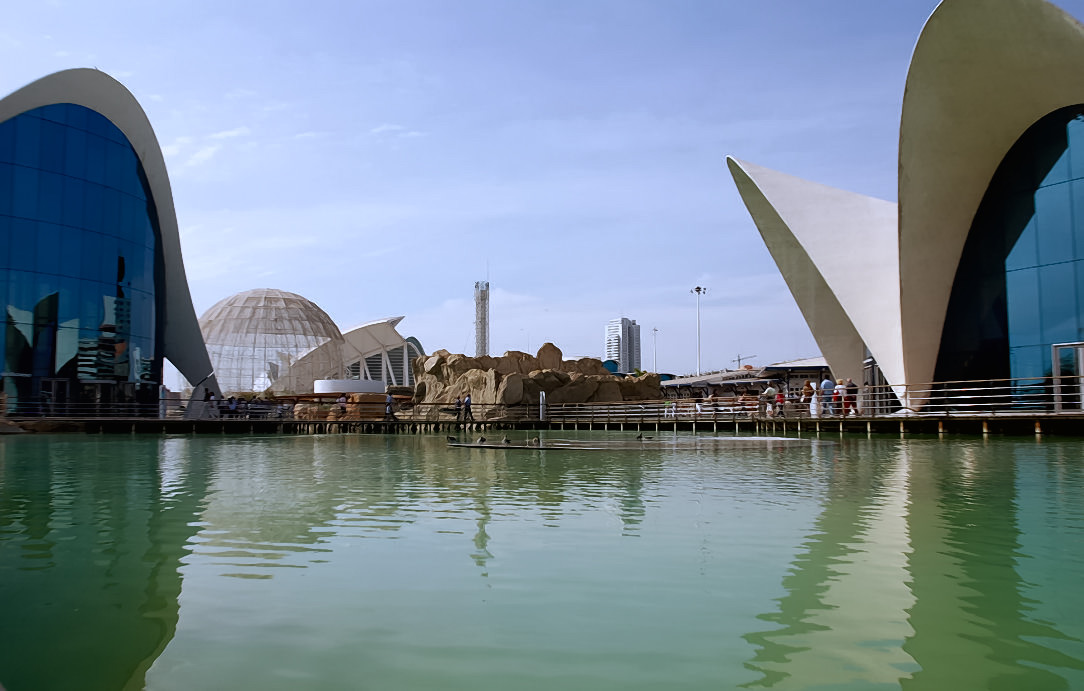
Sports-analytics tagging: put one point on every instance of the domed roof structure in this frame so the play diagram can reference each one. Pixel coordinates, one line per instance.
(255, 338)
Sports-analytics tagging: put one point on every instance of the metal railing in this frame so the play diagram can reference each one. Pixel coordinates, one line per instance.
(1021, 396)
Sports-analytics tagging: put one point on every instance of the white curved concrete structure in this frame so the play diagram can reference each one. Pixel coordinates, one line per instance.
(983, 72)
(97, 91)
(837, 252)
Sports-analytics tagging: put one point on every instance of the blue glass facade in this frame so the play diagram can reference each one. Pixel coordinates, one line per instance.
(79, 262)
(1020, 283)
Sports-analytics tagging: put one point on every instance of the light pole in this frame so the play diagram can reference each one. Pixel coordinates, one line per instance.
(699, 291)
(654, 351)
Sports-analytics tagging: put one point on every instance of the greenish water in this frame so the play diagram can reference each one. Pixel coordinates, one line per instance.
(367, 562)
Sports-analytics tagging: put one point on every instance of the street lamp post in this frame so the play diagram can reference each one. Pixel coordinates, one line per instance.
(699, 290)
(654, 351)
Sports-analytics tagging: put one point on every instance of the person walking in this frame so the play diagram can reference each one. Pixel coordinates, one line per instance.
(839, 395)
(389, 408)
(850, 399)
(468, 416)
(806, 401)
(827, 390)
(458, 409)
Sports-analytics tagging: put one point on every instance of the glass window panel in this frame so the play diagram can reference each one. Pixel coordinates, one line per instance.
(24, 194)
(75, 153)
(116, 166)
(71, 251)
(1077, 192)
(50, 197)
(73, 207)
(133, 263)
(27, 140)
(111, 200)
(91, 257)
(1028, 361)
(53, 113)
(76, 116)
(96, 159)
(48, 238)
(1022, 293)
(1057, 286)
(98, 125)
(22, 245)
(52, 147)
(93, 207)
(1074, 130)
(1059, 172)
(7, 173)
(1055, 230)
(7, 141)
(5, 244)
(131, 218)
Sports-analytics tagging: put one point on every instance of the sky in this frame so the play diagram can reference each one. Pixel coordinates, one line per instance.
(380, 156)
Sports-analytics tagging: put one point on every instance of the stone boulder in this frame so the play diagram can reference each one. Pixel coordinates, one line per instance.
(510, 391)
(646, 387)
(549, 357)
(609, 391)
(516, 378)
(579, 389)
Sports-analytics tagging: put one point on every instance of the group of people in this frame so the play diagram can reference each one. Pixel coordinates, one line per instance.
(838, 397)
(241, 408)
(463, 411)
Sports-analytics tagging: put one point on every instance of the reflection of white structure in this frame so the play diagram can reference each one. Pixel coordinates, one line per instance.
(623, 343)
(986, 115)
(271, 339)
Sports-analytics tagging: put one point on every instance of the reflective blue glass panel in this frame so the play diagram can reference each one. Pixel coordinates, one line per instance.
(78, 239)
(1019, 286)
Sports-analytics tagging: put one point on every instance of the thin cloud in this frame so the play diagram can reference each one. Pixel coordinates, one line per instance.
(241, 131)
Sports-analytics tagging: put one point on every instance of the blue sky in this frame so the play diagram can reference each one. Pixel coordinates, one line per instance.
(379, 157)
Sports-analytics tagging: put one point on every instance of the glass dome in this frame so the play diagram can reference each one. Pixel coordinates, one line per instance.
(255, 338)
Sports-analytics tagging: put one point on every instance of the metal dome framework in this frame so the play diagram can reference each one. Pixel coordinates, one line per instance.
(271, 339)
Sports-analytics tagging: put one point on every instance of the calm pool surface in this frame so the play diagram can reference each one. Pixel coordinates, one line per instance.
(680, 562)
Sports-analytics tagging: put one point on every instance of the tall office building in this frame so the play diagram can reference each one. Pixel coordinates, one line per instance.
(623, 343)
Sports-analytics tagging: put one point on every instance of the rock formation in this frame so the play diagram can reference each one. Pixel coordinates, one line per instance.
(516, 378)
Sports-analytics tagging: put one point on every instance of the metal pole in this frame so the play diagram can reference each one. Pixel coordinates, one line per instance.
(654, 351)
(699, 290)
(698, 332)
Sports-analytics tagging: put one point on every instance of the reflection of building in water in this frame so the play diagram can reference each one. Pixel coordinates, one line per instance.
(90, 561)
(844, 618)
(919, 582)
(91, 280)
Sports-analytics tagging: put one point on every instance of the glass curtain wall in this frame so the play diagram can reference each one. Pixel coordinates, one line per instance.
(1020, 284)
(79, 261)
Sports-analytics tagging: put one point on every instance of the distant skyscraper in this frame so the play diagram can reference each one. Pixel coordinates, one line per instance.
(623, 343)
(481, 318)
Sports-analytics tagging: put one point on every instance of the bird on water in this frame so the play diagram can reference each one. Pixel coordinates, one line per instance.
(451, 440)
(481, 440)
(506, 440)
(534, 442)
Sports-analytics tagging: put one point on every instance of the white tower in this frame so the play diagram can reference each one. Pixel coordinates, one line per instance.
(481, 318)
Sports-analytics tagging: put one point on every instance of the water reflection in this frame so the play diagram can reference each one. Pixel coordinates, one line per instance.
(92, 534)
(897, 564)
(911, 578)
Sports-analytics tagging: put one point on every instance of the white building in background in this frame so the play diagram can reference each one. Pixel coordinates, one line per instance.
(268, 339)
(623, 344)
